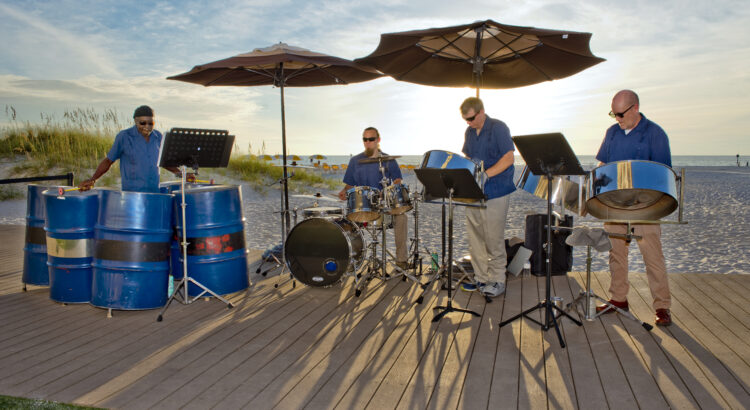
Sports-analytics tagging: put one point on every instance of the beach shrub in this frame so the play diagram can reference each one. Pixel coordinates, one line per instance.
(262, 173)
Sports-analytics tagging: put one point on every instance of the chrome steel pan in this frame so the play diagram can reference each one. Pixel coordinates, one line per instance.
(449, 160)
(562, 188)
(632, 190)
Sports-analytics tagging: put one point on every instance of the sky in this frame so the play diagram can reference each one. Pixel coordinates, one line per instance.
(688, 61)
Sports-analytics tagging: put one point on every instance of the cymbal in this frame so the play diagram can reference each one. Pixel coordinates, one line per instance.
(295, 165)
(317, 196)
(378, 159)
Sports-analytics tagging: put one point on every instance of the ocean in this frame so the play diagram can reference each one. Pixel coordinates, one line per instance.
(587, 161)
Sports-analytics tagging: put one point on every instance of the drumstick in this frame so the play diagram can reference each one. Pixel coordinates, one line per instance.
(61, 191)
(211, 181)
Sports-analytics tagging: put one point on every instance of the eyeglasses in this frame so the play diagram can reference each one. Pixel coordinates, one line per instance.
(371, 139)
(470, 119)
(620, 114)
(143, 123)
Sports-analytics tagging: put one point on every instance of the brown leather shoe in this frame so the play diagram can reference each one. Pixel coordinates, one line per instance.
(663, 318)
(604, 307)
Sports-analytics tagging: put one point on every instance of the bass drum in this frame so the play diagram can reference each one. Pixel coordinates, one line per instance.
(632, 190)
(320, 250)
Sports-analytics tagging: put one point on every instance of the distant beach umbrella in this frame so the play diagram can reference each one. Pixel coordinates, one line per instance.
(266, 157)
(282, 66)
(483, 54)
(318, 157)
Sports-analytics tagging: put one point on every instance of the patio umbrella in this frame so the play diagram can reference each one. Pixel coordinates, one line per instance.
(484, 54)
(282, 66)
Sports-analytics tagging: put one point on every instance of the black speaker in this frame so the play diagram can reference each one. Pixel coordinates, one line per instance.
(536, 239)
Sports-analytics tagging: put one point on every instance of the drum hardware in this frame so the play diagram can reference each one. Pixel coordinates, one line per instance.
(445, 183)
(379, 159)
(179, 150)
(586, 299)
(549, 155)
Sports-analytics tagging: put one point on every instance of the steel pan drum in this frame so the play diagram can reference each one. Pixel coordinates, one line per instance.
(362, 203)
(320, 250)
(562, 188)
(70, 243)
(131, 255)
(632, 190)
(216, 252)
(449, 160)
(35, 247)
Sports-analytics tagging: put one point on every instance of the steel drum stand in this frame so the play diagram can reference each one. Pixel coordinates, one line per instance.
(548, 155)
(445, 183)
(182, 147)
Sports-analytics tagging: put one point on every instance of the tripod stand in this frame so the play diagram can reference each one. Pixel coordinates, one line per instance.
(182, 147)
(548, 155)
(447, 183)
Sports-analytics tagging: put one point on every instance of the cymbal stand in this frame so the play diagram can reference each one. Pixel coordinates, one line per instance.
(180, 291)
(371, 266)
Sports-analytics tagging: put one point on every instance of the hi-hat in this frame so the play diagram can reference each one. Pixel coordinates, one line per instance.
(378, 159)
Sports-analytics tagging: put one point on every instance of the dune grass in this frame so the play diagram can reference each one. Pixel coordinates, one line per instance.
(80, 140)
(8, 402)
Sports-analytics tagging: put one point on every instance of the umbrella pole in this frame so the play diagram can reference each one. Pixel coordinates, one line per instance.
(283, 151)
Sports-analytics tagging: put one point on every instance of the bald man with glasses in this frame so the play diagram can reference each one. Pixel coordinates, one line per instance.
(635, 137)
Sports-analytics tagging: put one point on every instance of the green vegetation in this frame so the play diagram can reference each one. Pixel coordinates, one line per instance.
(81, 139)
(8, 402)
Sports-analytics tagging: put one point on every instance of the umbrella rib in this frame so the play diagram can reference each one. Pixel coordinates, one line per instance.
(313, 67)
(435, 51)
(520, 55)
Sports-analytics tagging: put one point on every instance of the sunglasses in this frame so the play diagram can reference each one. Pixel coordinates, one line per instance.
(143, 123)
(470, 119)
(620, 114)
(371, 139)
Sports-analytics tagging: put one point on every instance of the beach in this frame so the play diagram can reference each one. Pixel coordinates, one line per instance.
(714, 239)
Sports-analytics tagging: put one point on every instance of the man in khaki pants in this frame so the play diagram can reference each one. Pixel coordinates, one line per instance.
(635, 137)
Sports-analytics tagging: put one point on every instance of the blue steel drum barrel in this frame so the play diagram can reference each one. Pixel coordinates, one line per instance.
(70, 243)
(35, 246)
(131, 255)
(175, 250)
(216, 252)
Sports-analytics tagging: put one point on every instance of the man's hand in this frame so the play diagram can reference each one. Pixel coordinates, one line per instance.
(342, 194)
(86, 185)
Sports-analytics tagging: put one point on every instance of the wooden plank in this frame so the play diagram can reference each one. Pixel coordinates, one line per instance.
(363, 364)
(679, 348)
(436, 360)
(367, 382)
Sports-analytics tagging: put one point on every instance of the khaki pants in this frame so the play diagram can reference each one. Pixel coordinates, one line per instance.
(653, 257)
(399, 233)
(486, 231)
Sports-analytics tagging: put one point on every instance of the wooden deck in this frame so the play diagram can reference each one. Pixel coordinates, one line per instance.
(324, 348)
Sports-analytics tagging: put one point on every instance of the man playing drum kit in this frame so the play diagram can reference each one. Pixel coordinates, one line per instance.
(368, 175)
(635, 137)
(138, 150)
(488, 139)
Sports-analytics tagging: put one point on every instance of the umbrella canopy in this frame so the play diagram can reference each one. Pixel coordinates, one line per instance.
(282, 66)
(317, 156)
(484, 54)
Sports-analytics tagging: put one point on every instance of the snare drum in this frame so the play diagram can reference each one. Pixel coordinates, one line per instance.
(449, 160)
(362, 204)
(323, 212)
(320, 250)
(384, 220)
(397, 197)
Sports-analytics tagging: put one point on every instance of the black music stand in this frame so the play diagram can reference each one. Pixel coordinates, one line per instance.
(548, 155)
(447, 183)
(191, 147)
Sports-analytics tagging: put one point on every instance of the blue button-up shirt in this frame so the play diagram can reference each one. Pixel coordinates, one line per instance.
(138, 159)
(489, 146)
(647, 141)
(369, 174)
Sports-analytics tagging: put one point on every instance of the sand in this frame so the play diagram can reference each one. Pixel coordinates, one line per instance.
(716, 238)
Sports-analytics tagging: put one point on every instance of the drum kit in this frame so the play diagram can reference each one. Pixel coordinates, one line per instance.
(331, 243)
